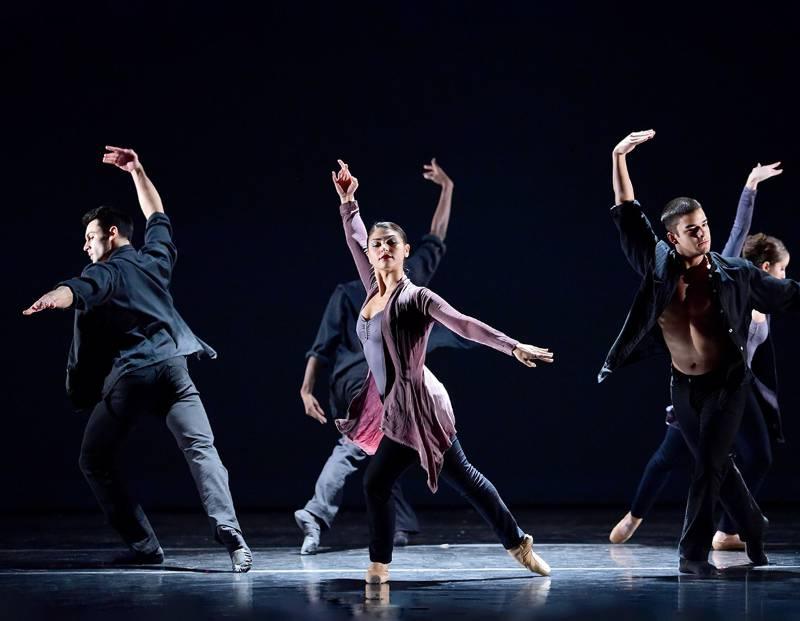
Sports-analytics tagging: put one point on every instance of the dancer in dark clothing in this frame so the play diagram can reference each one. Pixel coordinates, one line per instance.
(761, 418)
(697, 306)
(338, 348)
(128, 360)
(403, 414)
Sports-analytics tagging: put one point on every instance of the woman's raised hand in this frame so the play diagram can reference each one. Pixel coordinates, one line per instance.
(630, 142)
(761, 173)
(345, 183)
(527, 354)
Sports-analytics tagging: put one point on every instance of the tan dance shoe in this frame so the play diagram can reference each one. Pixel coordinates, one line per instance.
(528, 558)
(377, 573)
(624, 529)
(724, 541)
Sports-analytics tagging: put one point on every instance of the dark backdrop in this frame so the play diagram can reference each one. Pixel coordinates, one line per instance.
(239, 115)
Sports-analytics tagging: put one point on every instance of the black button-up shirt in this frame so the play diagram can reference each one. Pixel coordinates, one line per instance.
(738, 284)
(124, 316)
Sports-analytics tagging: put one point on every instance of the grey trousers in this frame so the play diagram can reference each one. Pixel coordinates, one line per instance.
(343, 461)
(164, 390)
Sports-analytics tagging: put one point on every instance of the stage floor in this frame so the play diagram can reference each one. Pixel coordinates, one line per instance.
(54, 572)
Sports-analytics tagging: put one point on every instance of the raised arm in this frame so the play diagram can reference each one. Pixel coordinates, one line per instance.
(441, 217)
(744, 211)
(636, 235)
(473, 329)
(354, 230)
(426, 256)
(127, 160)
(620, 179)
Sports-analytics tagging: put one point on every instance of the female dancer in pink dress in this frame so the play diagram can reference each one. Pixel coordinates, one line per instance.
(402, 415)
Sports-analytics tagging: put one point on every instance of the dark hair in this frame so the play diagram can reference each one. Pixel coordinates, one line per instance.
(389, 225)
(760, 248)
(107, 217)
(676, 208)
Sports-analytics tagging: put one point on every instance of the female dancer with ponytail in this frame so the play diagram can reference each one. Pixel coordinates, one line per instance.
(402, 415)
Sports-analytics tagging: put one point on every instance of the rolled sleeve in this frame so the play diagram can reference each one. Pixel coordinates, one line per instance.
(158, 242)
(425, 259)
(93, 287)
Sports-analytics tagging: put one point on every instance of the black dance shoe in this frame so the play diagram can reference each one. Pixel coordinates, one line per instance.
(139, 558)
(697, 568)
(755, 552)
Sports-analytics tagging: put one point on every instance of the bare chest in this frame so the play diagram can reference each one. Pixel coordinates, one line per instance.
(693, 307)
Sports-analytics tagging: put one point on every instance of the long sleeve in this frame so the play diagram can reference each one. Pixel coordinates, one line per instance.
(770, 294)
(159, 245)
(356, 234)
(741, 225)
(329, 334)
(636, 235)
(94, 286)
(425, 259)
(468, 327)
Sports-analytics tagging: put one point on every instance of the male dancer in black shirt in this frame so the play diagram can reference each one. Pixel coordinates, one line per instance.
(128, 359)
(696, 305)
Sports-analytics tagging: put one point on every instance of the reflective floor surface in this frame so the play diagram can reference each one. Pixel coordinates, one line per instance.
(56, 573)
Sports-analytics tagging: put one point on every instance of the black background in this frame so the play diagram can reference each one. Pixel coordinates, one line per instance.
(239, 113)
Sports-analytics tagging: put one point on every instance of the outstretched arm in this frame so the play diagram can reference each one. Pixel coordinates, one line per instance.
(744, 212)
(127, 160)
(470, 328)
(354, 230)
(441, 217)
(60, 297)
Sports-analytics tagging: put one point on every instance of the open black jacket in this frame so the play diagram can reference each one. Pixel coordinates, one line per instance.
(738, 284)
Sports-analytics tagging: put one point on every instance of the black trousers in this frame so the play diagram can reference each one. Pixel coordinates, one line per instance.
(164, 390)
(753, 458)
(709, 410)
(388, 464)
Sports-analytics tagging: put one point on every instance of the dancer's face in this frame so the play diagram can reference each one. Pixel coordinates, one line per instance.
(98, 244)
(386, 250)
(692, 236)
(778, 270)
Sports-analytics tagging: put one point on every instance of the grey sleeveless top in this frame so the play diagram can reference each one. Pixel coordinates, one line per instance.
(369, 333)
(756, 335)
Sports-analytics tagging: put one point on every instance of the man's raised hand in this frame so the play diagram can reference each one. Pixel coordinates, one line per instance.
(433, 172)
(125, 159)
(345, 183)
(632, 140)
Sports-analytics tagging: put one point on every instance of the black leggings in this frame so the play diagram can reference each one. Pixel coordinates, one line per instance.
(392, 459)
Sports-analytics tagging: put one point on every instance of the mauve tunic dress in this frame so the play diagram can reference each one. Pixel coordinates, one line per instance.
(416, 410)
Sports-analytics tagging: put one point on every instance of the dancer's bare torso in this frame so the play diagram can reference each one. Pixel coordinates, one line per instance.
(692, 326)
